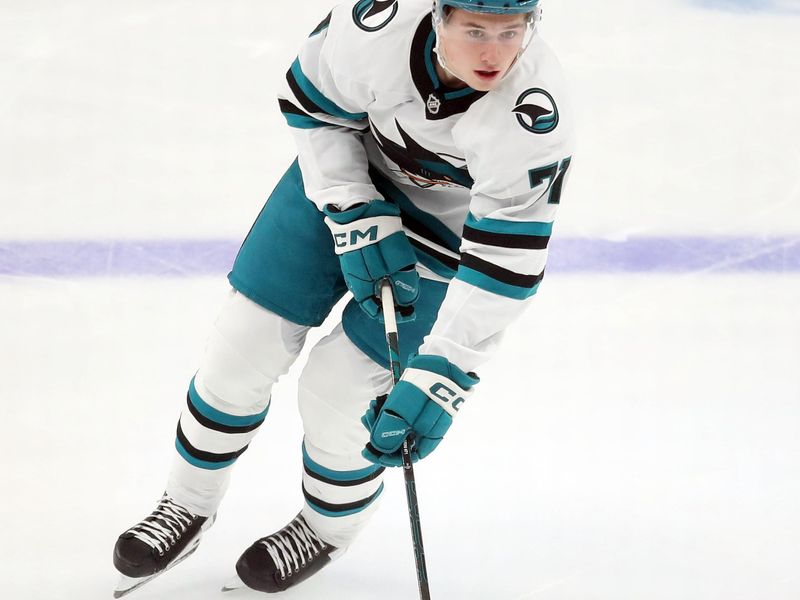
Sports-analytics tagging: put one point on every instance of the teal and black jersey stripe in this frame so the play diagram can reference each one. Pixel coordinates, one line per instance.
(424, 225)
(324, 24)
(496, 279)
(508, 234)
(312, 100)
(439, 263)
(298, 118)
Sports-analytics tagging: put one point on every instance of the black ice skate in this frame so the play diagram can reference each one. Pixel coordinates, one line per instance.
(170, 534)
(282, 560)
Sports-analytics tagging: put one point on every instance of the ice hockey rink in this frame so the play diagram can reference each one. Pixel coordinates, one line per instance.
(638, 436)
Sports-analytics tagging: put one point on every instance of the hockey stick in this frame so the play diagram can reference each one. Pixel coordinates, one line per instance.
(390, 323)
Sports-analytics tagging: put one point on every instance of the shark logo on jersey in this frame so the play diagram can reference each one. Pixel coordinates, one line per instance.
(371, 15)
(423, 167)
(536, 111)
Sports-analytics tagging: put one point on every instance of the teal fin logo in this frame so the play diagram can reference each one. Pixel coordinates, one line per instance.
(372, 15)
(536, 111)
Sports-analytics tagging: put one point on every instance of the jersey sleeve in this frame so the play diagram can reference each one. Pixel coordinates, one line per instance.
(519, 174)
(326, 109)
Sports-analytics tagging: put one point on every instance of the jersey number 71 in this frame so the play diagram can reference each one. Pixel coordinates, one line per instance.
(554, 174)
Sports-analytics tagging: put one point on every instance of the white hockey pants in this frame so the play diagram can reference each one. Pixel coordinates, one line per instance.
(248, 350)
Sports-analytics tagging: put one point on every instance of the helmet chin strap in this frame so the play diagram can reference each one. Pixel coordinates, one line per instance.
(441, 60)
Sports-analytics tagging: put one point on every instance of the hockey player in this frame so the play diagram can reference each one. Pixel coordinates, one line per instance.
(432, 152)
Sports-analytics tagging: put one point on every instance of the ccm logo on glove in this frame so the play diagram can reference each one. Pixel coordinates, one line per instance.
(445, 394)
(388, 434)
(403, 285)
(370, 234)
(442, 390)
(363, 232)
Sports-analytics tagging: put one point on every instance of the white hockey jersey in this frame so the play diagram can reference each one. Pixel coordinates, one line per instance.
(478, 174)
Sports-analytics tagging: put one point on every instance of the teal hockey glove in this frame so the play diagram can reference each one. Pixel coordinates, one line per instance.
(423, 404)
(371, 245)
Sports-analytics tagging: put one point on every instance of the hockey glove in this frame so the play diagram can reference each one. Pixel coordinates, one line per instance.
(422, 404)
(372, 246)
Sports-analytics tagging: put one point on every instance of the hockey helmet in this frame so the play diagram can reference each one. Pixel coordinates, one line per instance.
(488, 6)
(495, 7)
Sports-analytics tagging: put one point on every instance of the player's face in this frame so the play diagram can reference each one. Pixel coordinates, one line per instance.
(480, 48)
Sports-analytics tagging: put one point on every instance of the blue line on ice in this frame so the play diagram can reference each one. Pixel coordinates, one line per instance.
(189, 258)
(769, 6)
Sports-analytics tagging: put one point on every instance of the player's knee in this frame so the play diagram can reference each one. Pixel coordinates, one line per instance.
(248, 349)
(316, 400)
(331, 401)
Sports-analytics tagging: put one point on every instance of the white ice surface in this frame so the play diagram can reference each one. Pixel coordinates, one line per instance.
(638, 438)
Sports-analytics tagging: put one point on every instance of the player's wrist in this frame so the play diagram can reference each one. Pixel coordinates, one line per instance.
(359, 210)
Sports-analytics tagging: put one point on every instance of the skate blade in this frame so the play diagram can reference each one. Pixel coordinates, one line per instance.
(234, 584)
(128, 584)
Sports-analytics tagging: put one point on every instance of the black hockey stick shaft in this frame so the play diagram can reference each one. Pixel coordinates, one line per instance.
(390, 323)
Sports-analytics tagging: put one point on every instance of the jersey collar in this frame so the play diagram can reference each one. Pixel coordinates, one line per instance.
(440, 101)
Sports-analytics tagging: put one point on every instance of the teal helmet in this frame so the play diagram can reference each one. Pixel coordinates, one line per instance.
(495, 7)
(489, 6)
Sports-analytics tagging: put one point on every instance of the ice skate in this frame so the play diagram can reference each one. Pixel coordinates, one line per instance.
(169, 535)
(282, 560)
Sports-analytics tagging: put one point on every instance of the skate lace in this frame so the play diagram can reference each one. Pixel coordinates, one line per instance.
(293, 547)
(164, 526)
